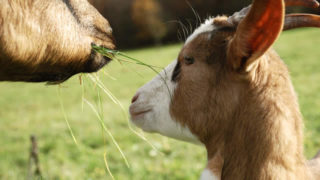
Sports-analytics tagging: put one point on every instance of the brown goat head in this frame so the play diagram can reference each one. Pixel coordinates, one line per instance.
(231, 92)
(44, 40)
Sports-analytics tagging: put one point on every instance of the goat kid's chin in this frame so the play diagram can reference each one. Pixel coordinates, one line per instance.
(150, 108)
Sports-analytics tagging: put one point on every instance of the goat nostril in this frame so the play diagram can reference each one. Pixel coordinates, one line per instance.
(135, 97)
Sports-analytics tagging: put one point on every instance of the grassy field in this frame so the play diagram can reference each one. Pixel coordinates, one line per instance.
(27, 109)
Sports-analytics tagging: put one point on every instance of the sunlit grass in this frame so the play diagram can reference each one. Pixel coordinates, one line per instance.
(122, 57)
(66, 117)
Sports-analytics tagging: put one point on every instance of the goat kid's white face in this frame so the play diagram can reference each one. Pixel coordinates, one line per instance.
(150, 108)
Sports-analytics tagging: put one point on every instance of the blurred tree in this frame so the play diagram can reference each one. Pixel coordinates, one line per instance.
(147, 15)
(118, 14)
(143, 22)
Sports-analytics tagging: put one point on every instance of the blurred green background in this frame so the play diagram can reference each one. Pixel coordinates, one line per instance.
(27, 109)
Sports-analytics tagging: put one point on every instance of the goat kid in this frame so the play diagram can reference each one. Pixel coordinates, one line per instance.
(50, 40)
(231, 92)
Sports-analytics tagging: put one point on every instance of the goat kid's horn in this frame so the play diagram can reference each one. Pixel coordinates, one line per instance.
(301, 20)
(305, 3)
(292, 21)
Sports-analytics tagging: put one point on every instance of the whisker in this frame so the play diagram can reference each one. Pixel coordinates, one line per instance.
(190, 27)
(179, 36)
(183, 28)
(197, 16)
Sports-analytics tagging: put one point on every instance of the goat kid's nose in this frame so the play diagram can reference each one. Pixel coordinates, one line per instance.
(135, 98)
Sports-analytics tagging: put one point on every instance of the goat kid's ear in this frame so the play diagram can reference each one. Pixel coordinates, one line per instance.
(256, 33)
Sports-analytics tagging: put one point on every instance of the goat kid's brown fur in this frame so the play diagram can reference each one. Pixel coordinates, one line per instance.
(247, 115)
(50, 40)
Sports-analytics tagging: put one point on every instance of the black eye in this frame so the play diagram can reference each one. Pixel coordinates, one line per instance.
(188, 60)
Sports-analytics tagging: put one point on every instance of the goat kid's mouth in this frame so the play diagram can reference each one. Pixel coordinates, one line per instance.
(136, 113)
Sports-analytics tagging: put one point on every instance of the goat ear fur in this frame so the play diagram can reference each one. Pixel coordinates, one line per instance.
(256, 33)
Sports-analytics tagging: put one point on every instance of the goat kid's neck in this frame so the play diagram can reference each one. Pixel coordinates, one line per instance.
(263, 139)
(257, 157)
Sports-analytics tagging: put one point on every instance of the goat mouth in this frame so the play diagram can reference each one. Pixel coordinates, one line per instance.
(95, 62)
(135, 115)
(106, 59)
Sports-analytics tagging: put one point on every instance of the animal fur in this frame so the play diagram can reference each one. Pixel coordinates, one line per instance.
(50, 40)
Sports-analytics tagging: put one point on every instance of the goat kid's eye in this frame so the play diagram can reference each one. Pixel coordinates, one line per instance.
(188, 60)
